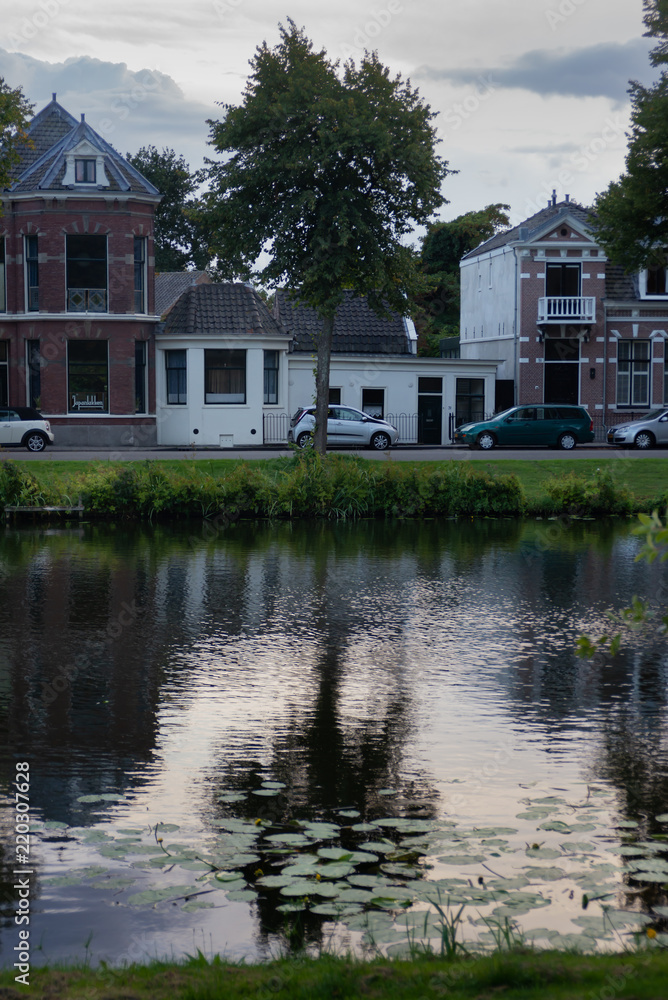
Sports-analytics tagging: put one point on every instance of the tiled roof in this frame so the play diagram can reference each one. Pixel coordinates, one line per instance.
(619, 285)
(53, 132)
(357, 328)
(533, 224)
(226, 309)
(169, 285)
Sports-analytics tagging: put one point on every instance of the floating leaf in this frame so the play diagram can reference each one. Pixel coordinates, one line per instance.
(232, 797)
(335, 870)
(335, 909)
(462, 859)
(197, 904)
(545, 874)
(167, 827)
(273, 784)
(322, 831)
(242, 895)
(149, 897)
(349, 813)
(291, 839)
(663, 818)
(266, 792)
(304, 888)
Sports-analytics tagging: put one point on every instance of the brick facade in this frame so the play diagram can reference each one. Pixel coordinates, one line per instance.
(111, 221)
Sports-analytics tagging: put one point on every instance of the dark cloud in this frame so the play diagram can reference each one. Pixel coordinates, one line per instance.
(602, 70)
(129, 109)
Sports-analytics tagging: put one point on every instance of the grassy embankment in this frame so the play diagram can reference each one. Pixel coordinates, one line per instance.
(512, 976)
(340, 486)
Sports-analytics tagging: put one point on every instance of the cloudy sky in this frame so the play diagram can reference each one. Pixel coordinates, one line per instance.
(531, 94)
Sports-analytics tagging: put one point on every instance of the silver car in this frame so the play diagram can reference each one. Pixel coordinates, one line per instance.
(344, 426)
(23, 426)
(644, 432)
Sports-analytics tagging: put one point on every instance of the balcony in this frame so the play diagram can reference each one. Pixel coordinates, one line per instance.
(567, 309)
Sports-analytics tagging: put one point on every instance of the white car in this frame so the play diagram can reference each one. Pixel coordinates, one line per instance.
(344, 426)
(24, 427)
(643, 432)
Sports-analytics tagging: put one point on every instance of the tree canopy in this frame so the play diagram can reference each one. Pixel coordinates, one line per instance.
(15, 113)
(326, 172)
(178, 239)
(443, 246)
(632, 214)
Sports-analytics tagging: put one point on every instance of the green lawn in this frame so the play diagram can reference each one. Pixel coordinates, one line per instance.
(515, 976)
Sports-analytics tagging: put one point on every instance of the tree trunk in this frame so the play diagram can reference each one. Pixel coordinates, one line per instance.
(322, 384)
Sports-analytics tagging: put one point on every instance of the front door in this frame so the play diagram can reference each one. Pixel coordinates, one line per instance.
(430, 410)
(562, 370)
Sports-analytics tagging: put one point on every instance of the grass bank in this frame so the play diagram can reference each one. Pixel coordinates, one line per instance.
(339, 487)
(513, 976)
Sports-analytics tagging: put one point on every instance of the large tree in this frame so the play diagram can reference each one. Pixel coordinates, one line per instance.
(443, 246)
(326, 172)
(15, 113)
(632, 214)
(178, 239)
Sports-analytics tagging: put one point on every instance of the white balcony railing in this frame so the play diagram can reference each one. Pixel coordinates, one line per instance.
(567, 309)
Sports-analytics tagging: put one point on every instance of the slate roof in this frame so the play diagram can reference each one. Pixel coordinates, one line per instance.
(533, 224)
(357, 328)
(53, 132)
(619, 285)
(169, 285)
(226, 309)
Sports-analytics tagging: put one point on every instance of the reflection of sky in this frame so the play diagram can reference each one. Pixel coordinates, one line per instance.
(249, 651)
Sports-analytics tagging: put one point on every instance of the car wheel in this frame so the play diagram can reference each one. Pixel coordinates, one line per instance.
(567, 441)
(486, 441)
(305, 440)
(644, 439)
(381, 441)
(35, 441)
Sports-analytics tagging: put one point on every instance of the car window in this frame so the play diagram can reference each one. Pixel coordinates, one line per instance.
(525, 413)
(349, 414)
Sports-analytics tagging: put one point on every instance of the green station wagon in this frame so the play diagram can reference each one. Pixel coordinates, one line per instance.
(551, 426)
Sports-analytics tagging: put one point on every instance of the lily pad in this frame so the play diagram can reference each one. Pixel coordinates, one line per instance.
(149, 897)
(545, 874)
(307, 888)
(663, 818)
(267, 793)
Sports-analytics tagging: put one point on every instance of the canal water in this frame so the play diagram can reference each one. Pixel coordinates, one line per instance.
(248, 738)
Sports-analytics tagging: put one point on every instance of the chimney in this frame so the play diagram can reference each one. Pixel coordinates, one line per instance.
(83, 117)
(568, 198)
(53, 98)
(554, 197)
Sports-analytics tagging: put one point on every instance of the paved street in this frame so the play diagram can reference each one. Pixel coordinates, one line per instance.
(401, 454)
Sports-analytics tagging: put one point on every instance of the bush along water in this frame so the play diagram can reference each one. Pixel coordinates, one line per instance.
(337, 487)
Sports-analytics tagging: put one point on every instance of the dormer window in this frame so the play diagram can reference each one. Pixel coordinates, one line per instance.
(84, 171)
(656, 281)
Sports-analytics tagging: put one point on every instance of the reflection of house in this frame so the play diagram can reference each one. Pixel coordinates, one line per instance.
(76, 284)
(568, 326)
(229, 373)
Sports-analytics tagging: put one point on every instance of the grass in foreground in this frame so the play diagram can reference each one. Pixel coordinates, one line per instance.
(511, 976)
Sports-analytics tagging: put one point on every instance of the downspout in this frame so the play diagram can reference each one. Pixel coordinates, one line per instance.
(516, 363)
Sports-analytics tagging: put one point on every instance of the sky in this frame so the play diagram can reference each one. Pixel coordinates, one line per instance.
(531, 94)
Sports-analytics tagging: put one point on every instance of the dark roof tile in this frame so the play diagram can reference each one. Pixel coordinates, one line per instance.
(226, 309)
(357, 328)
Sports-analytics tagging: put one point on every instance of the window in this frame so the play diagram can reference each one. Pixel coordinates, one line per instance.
(655, 281)
(225, 376)
(271, 376)
(470, 400)
(3, 279)
(32, 274)
(88, 376)
(84, 171)
(373, 402)
(34, 374)
(86, 273)
(140, 274)
(175, 367)
(140, 376)
(334, 394)
(562, 280)
(4, 372)
(427, 384)
(633, 358)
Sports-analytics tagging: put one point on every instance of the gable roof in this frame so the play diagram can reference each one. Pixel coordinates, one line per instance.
(533, 226)
(357, 328)
(170, 285)
(225, 309)
(54, 133)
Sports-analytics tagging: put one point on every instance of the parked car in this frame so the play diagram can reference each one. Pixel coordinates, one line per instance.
(644, 432)
(22, 426)
(553, 426)
(344, 426)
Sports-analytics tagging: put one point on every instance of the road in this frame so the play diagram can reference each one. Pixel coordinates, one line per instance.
(401, 454)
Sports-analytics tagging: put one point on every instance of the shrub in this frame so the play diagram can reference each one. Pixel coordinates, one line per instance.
(583, 496)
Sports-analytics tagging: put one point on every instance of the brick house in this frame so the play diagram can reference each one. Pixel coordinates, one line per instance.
(565, 324)
(77, 311)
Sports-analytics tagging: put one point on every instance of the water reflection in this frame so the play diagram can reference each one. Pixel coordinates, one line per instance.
(341, 660)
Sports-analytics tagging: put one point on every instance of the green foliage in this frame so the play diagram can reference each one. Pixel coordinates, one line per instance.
(18, 487)
(324, 172)
(632, 214)
(587, 496)
(443, 246)
(178, 238)
(15, 112)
